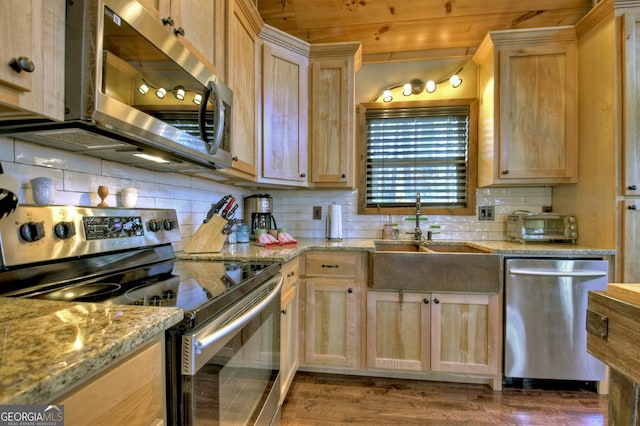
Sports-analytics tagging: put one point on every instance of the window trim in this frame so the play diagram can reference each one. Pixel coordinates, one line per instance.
(361, 154)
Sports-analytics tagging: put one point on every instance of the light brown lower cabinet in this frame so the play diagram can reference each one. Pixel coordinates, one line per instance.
(131, 392)
(429, 332)
(289, 326)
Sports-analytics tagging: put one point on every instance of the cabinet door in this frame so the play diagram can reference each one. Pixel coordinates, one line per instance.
(288, 341)
(332, 322)
(284, 115)
(465, 333)
(131, 392)
(34, 30)
(332, 122)
(538, 112)
(242, 80)
(398, 330)
(631, 82)
(631, 239)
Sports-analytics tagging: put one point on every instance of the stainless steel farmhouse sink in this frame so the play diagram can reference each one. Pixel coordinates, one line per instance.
(434, 267)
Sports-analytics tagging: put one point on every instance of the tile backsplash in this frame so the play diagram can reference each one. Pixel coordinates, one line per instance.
(293, 209)
(77, 179)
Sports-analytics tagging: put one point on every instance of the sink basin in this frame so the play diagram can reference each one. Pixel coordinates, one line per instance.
(436, 267)
(454, 248)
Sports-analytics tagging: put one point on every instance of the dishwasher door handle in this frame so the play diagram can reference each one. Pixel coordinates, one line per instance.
(585, 273)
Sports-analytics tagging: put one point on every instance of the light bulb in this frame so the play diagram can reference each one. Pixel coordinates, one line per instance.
(197, 99)
(386, 96)
(161, 92)
(143, 89)
(431, 86)
(406, 89)
(179, 93)
(455, 81)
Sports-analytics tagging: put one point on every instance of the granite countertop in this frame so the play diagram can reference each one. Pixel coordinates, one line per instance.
(48, 346)
(252, 252)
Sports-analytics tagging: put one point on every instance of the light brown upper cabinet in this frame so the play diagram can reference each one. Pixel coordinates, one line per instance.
(195, 22)
(244, 26)
(332, 114)
(32, 41)
(527, 86)
(285, 88)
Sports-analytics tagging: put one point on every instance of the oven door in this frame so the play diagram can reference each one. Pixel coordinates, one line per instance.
(230, 365)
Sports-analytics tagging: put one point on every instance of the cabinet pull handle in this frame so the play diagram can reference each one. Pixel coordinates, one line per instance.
(632, 187)
(22, 64)
(425, 301)
(349, 290)
(633, 207)
(284, 312)
(168, 21)
(179, 31)
(436, 301)
(291, 274)
(505, 172)
(330, 266)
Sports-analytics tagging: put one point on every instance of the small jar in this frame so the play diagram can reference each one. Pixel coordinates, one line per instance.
(387, 231)
(243, 233)
(233, 238)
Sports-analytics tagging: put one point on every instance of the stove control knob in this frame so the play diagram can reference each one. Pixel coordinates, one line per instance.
(32, 231)
(169, 224)
(64, 230)
(154, 225)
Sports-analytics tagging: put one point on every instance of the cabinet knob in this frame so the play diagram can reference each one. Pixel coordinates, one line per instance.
(343, 176)
(291, 274)
(350, 290)
(632, 187)
(505, 172)
(234, 158)
(632, 207)
(179, 31)
(302, 175)
(284, 312)
(168, 21)
(436, 301)
(425, 301)
(22, 63)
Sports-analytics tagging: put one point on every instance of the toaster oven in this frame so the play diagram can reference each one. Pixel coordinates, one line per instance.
(527, 226)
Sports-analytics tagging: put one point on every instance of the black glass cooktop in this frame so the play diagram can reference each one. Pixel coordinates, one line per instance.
(199, 288)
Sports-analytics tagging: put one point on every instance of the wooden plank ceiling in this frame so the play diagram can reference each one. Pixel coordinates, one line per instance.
(414, 29)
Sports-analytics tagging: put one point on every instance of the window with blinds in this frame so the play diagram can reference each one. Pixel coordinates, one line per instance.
(423, 149)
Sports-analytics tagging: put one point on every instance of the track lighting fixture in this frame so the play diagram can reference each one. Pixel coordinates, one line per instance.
(417, 86)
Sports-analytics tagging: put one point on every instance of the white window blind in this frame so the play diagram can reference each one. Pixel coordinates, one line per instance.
(423, 150)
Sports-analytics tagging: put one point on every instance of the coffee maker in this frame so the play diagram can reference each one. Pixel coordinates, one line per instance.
(258, 211)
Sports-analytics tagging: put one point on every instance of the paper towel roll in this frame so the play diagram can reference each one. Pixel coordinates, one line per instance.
(334, 222)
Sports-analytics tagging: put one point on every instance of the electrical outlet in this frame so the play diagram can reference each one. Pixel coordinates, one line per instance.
(486, 213)
(317, 212)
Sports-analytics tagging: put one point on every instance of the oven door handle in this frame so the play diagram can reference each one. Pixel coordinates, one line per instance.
(200, 346)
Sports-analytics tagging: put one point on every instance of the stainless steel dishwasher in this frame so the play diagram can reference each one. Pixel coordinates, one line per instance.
(546, 308)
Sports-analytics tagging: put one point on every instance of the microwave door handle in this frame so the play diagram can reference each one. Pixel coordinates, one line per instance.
(218, 119)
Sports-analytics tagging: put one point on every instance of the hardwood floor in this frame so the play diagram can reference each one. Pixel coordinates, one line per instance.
(325, 399)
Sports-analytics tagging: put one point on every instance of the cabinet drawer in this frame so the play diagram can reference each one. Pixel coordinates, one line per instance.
(332, 264)
(291, 275)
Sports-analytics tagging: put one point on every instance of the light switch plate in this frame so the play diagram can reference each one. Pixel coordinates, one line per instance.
(486, 213)
(317, 212)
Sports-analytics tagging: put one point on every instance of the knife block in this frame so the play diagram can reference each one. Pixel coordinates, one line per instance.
(208, 238)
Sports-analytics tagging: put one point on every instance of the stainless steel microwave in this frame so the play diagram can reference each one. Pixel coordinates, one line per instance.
(526, 226)
(135, 94)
